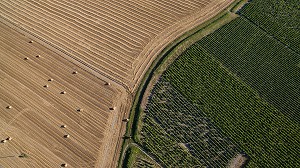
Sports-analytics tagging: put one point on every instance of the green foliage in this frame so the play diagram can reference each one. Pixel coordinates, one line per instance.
(142, 163)
(164, 147)
(130, 156)
(270, 138)
(280, 18)
(261, 61)
(261, 48)
(183, 131)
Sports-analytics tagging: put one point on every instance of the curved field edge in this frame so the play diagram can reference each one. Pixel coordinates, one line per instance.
(274, 142)
(266, 135)
(162, 61)
(174, 127)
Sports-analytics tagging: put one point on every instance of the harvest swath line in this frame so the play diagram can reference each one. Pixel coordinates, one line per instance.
(60, 51)
(111, 63)
(29, 79)
(110, 42)
(70, 51)
(169, 35)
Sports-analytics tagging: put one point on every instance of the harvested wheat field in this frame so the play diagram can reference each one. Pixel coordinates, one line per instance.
(52, 114)
(69, 70)
(118, 39)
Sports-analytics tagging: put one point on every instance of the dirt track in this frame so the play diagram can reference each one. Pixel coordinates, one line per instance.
(104, 41)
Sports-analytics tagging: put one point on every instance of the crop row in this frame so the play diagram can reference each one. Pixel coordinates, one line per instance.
(189, 128)
(261, 61)
(278, 18)
(109, 35)
(142, 163)
(164, 147)
(265, 134)
(53, 27)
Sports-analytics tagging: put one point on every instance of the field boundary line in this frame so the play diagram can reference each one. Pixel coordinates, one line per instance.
(166, 57)
(269, 34)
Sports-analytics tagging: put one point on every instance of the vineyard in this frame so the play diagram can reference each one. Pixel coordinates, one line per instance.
(261, 61)
(181, 135)
(269, 138)
(278, 18)
(71, 68)
(234, 94)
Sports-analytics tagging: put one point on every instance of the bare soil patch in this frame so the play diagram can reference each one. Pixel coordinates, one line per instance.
(239, 161)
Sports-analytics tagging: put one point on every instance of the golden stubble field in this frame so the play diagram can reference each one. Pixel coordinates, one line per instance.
(45, 92)
(82, 45)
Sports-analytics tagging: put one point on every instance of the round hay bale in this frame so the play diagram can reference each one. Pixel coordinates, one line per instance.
(67, 136)
(38, 56)
(9, 107)
(3, 141)
(80, 110)
(75, 72)
(63, 92)
(63, 126)
(112, 108)
(26, 58)
(126, 119)
(31, 41)
(64, 165)
(107, 83)
(50, 79)
(9, 138)
(46, 86)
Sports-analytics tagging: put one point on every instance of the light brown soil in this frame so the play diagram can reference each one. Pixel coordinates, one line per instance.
(104, 41)
(118, 38)
(37, 113)
(238, 161)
